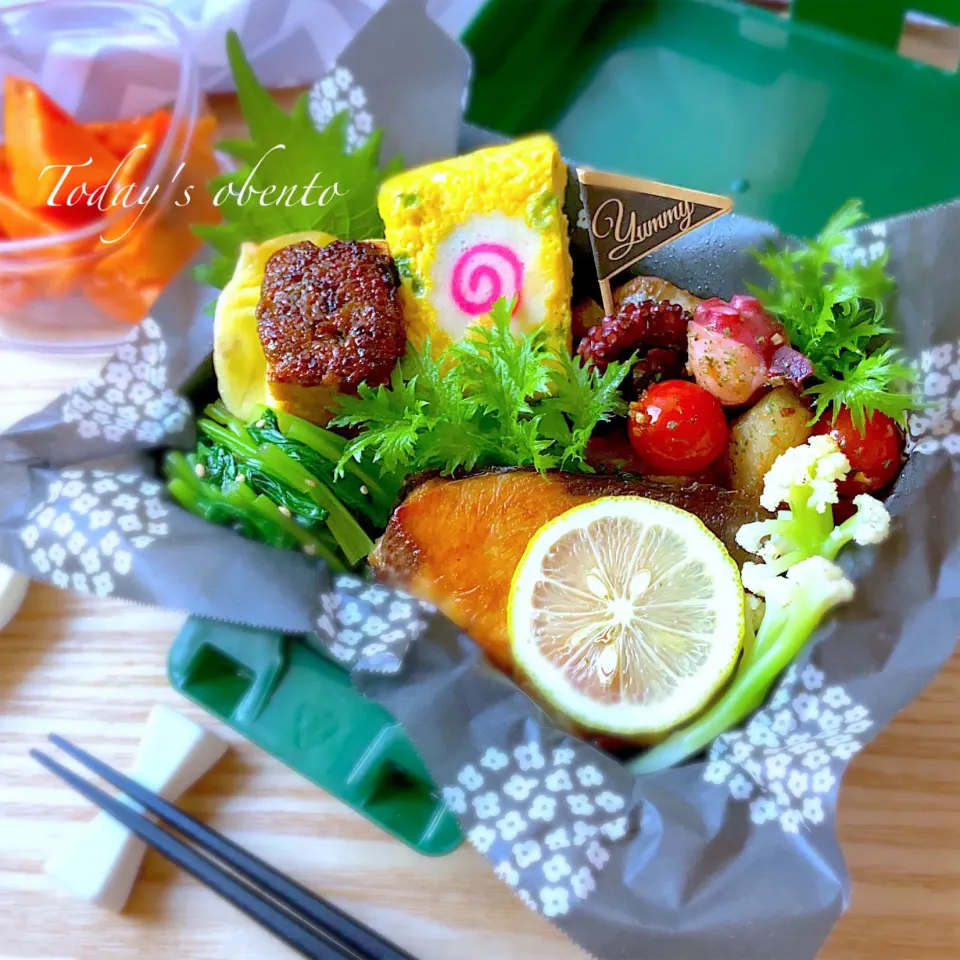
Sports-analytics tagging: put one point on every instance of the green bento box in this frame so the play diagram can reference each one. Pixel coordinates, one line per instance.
(792, 116)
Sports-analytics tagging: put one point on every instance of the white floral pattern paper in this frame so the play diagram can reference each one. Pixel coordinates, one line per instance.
(369, 626)
(546, 819)
(90, 524)
(131, 399)
(786, 763)
(337, 93)
(938, 426)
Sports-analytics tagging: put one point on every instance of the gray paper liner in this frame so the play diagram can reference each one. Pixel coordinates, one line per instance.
(732, 857)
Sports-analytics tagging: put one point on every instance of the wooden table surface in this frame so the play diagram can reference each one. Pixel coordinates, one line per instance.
(92, 669)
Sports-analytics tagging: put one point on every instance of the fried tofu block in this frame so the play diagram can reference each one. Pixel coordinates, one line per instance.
(247, 380)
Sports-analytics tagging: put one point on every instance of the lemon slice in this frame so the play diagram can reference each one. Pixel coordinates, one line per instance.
(238, 357)
(627, 615)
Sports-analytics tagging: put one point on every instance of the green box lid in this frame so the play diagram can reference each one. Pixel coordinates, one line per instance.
(793, 116)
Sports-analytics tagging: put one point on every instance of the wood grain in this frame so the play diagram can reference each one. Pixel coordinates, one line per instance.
(91, 670)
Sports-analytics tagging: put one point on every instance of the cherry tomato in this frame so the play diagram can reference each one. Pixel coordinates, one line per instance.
(875, 456)
(678, 428)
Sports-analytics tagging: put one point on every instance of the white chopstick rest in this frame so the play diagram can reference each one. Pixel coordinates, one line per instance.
(101, 866)
(13, 588)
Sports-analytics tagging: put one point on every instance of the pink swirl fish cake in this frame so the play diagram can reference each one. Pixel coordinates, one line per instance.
(466, 232)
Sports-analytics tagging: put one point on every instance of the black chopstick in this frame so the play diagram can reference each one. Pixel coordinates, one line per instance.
(292, 895)
(244, 898)
(309, 924)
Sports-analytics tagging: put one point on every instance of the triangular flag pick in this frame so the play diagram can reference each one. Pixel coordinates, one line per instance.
(629, 218)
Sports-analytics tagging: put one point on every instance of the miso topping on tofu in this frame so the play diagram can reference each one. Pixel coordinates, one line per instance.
(329, 319)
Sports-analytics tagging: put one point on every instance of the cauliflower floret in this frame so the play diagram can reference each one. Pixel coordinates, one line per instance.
(751, 536)
(823, 494)
(813, 584)
(802, 541)
(827, 579)
(797, 602)
(831, 464)
(871, 521)
(817, 464)
(772, 549)
(805, 478)
(756, 576)
(788, 470)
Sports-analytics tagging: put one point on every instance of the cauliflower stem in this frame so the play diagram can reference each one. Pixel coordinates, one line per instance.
(798, 580)
(795, 608)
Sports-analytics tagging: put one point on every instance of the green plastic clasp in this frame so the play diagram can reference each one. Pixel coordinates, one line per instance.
(302, 708)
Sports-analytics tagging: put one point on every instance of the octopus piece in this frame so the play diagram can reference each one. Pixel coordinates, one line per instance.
(644, 325)
(651, 320)
(737, 349)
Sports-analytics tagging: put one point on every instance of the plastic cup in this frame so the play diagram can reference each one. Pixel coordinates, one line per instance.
(105, 60)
